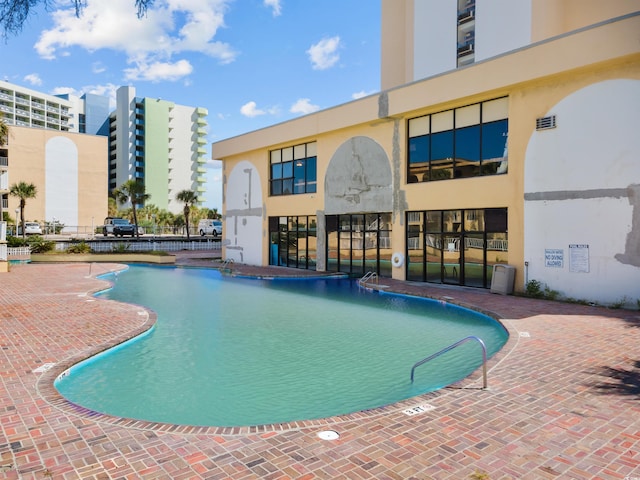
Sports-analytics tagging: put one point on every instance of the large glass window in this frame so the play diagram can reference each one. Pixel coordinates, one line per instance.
(462, 142)
(458, 247)
(359, 243)
(293, 170)
(293, 241)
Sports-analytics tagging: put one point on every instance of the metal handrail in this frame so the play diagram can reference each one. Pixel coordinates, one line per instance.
(451, 347)
(226, 263)
(368, 276)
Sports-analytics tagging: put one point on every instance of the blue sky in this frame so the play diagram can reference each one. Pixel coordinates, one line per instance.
(251, 63)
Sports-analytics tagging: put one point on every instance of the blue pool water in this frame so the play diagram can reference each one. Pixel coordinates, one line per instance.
(231, 352)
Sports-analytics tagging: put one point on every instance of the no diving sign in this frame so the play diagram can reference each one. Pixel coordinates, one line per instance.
(554, 257)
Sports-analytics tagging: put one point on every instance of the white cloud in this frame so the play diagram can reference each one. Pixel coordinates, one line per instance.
(33, 79)
(361, 94)
(169, 29)
(65, 90)
(324, 54)
(157, 71)
(98, 67)
(107, 90)
(304, 106)
(250, 109)
(275, 5)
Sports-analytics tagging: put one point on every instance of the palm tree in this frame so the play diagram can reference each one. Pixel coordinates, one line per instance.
(189, 198)
(112, 208)
(134, 192)
(23, 191)
(4, 135)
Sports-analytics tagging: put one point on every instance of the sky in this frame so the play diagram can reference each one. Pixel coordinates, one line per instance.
(250, 63)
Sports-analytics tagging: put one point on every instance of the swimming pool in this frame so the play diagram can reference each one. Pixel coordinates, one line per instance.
(235, 352)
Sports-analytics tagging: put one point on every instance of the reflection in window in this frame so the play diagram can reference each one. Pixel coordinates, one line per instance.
(457, 247)
(464, 142)
(293, 170)
(359, 243)
(293, 241)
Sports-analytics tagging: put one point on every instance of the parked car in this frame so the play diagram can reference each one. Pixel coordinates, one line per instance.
(118, 227)
(210, 227)
(30, 228)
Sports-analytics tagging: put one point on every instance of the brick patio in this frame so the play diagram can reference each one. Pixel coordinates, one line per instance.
(563, 400)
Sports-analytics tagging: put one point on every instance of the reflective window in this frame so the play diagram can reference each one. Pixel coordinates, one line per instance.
(359, 243)
(458, 247)
(293, 241)
(293, 170)
(463, 142)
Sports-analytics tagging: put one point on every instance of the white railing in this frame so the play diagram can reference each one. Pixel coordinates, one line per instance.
(18, 253)
(144, 246)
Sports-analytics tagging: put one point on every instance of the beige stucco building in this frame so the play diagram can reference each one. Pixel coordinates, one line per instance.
(525, 155)
(69, 171)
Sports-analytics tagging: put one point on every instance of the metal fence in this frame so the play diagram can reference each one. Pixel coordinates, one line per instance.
(146, 246)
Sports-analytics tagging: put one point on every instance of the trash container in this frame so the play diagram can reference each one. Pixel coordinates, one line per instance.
(502, 279)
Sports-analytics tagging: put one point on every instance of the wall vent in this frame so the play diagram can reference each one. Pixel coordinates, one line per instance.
(546, 122)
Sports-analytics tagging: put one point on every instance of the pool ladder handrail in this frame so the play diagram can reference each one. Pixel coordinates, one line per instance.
(226, 263)
(368, 277)
(451, 347)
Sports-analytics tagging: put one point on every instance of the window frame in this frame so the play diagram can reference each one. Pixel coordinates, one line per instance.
(426, 132)
(285, 166)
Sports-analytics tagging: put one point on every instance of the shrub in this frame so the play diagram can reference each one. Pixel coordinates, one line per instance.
(81, 247)
(120, 248)
(16, 242)
(534, 289)
(39, 244)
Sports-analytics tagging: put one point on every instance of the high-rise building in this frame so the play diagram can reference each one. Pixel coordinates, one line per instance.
(160, 144)
(92, 112)
(421, 38)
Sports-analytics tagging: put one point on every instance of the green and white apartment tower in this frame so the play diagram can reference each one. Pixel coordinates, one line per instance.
(160, 144)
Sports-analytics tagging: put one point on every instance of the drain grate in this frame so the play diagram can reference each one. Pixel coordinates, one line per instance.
(328, 435)
(418, 409)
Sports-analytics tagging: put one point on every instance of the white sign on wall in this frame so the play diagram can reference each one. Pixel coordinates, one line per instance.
(579, 258)
(554, 257)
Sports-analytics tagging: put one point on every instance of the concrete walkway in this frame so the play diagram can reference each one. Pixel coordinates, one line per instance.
(563, 399)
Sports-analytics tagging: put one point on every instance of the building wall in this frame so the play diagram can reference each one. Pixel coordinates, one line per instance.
(183, 157)
(419, 36)
(69, 172)
(582, 191)
(554, 76)
(156, 151)
(124, 144)
(434, 40)
(501, 26)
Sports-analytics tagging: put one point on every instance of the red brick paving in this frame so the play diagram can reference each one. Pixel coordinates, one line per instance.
(563, 399)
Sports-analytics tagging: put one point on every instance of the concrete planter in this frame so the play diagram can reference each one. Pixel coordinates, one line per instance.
(102, 257)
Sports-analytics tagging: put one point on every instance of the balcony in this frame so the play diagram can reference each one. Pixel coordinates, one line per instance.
(22, 101)
(466, 15)
(465, 48)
